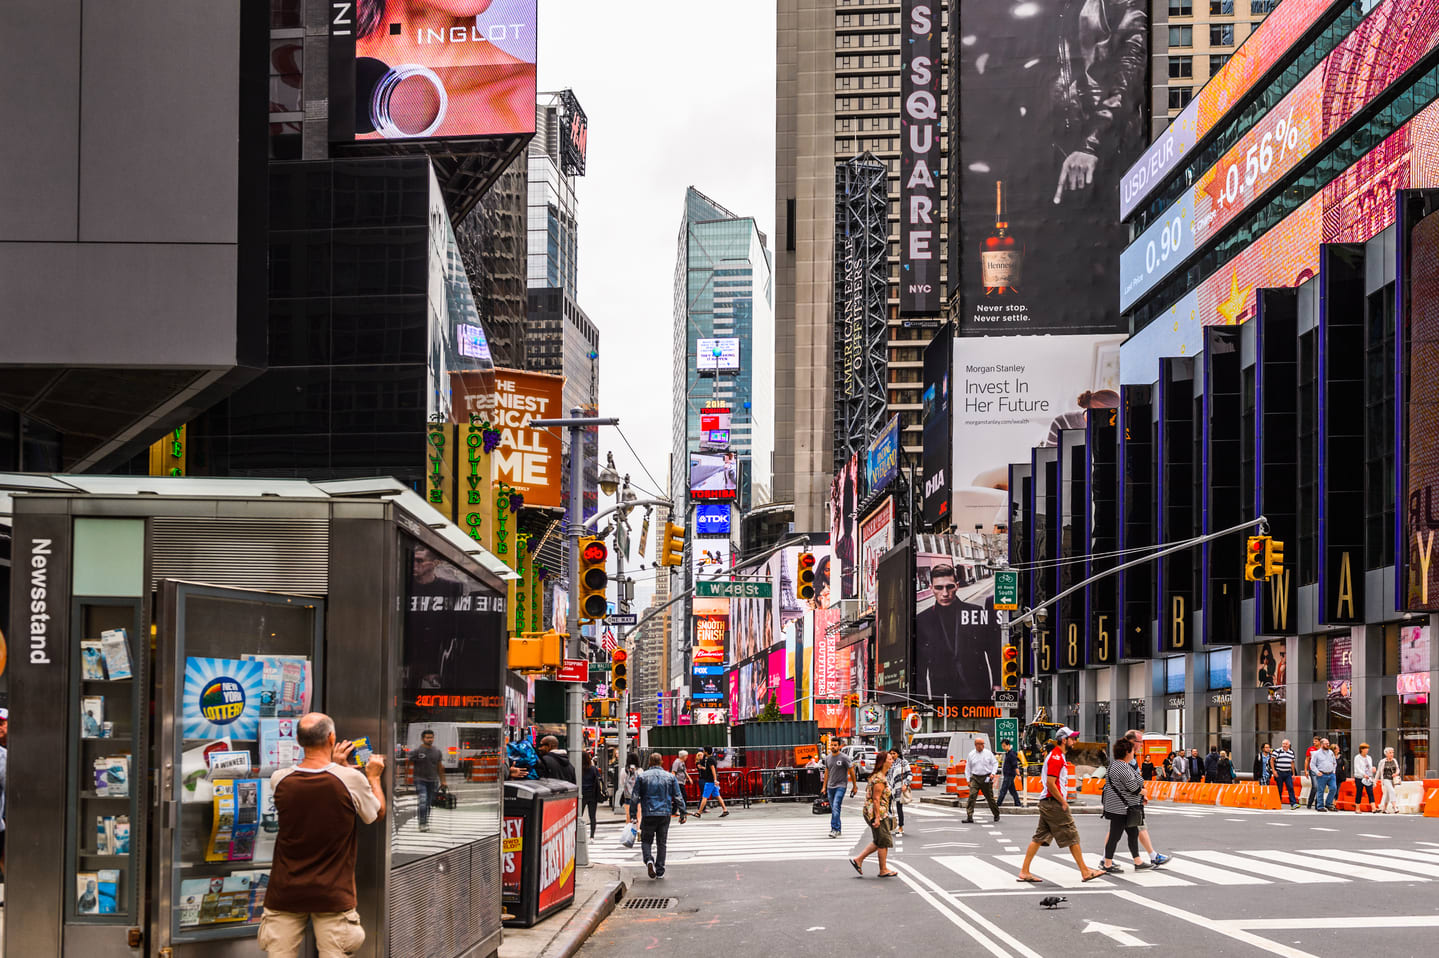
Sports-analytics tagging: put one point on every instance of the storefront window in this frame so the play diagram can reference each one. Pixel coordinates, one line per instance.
(450, 677)
(1174, 675)
(1406, 730)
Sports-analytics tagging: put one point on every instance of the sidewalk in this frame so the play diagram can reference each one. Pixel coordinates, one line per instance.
(598, 888)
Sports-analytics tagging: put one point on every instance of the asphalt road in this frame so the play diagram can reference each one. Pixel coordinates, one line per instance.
(767, 881)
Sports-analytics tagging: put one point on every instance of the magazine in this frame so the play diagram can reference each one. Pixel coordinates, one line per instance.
(120, 835)
(92, 716)
(195, 770)
(192, 895)
(117, 775)
(236, 820)
(87, 893)
(108, 889)
(104, 834)
(92, 660)
(116, 645)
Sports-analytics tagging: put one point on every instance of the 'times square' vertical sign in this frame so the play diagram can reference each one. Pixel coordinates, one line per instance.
(919, 160)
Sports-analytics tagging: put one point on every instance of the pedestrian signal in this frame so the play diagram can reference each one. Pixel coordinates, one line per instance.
(806, 575)
(1009, 677)
(1254, 558)
(594, 580)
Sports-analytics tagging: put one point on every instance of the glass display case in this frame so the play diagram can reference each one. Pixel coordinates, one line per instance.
(241, 668)
(105, 823)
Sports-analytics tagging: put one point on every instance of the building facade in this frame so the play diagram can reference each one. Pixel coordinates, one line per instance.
(1191, 41)
(1276, 370)
(839, 65)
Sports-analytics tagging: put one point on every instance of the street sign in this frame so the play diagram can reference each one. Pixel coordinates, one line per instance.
(632, 722)
(574, 670)
(734, 590)
(621, 618)
(1006, 697)
(826, 701)
(1005, 730)
(1006, 590)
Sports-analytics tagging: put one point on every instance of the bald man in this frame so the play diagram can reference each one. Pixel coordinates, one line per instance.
(321, 802)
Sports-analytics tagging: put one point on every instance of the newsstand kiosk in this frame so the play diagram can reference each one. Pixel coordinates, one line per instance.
(168, 635)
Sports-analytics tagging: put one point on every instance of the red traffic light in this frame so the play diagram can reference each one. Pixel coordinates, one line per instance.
(595, 552)
(1256, 545)
(806, 560)
(619, 655)
(1010, 652)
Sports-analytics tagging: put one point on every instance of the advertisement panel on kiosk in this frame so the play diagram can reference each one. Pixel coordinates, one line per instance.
(1045, 141)
(432, 70)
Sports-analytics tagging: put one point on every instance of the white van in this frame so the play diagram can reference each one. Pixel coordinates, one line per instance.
(943, 748)
(457, 742)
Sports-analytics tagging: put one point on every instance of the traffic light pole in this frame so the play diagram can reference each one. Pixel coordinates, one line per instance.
(575, 696)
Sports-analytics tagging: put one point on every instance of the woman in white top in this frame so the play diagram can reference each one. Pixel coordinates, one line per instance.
(1390, 775)
(1364, 778)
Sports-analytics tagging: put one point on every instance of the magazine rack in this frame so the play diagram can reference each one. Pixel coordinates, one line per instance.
(105, 824)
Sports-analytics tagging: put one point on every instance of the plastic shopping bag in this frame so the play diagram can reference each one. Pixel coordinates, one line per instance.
(627, 838)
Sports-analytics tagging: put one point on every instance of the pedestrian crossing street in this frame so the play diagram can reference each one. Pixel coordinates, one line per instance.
(973, 858)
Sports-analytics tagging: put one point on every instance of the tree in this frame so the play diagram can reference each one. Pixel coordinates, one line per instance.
(770, 712)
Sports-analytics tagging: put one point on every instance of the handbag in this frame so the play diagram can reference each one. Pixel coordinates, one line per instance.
(628, 836)
(1135, 818)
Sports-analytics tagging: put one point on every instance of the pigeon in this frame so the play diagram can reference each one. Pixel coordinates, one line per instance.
(1053, 901)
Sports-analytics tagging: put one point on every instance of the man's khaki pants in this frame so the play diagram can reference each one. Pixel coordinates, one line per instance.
(337, 934)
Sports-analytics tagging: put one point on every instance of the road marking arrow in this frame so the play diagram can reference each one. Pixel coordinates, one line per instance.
(1120, 935)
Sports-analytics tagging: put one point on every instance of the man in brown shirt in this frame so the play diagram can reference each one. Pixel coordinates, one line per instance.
(321, 802)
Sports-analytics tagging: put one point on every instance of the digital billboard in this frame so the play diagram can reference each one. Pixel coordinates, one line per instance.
(843, 495)
(920, 167)
(956, 632)
(934, 460)
(881, 462)
(1256, 56)
(574, 134)
(526, 459)
(712, 519)
(876, 536)
(714, 428)
(1012, 393)
(432, 69)
(710, 559)
(1055, 109)
(708, 683)
(717, 355)
(1391, 40)
(894, 619)
(713, 475)
(754, 622)
(709, 647)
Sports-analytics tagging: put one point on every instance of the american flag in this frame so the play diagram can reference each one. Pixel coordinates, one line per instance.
(608, 643)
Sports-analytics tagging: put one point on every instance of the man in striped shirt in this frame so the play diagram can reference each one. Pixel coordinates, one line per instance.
(1283, 759)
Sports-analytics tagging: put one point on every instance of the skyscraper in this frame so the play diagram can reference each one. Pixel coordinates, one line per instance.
(838, 95)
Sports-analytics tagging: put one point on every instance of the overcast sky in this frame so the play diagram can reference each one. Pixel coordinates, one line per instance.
(678, 94)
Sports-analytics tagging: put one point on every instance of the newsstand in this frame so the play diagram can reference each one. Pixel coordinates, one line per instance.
(538, 848)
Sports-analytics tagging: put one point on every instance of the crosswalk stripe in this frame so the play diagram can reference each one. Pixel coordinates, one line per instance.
(1190, 869)
(1431, 870)
(978, 872)
(1266, 869)
(1416, 855)
(1063, 874)
(1150, 878)
(1345, 870)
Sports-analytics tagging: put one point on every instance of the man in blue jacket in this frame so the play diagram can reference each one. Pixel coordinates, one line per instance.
(654, 798)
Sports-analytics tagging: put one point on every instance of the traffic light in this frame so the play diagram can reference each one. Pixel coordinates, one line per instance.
(806, 575)
(594, 580)
(1009, 676)
(852, 700)
(672, 545)
(1254, 552)
(619, 671)
(1273, 557)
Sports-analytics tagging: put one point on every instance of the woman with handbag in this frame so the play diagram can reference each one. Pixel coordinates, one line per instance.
(876, 815)
(899, 787)
(592, 788)
(1390, 775)
(1123, 801)
(1364, 779)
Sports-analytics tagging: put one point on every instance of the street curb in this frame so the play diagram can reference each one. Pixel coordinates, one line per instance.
(582, 924)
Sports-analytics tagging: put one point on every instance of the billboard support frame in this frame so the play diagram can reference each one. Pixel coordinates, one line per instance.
(861, 294)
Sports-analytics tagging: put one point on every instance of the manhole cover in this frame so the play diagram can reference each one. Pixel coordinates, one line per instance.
(657, 904)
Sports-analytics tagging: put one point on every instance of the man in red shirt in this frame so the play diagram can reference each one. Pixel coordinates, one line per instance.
(1055, 820)
(321, 802)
